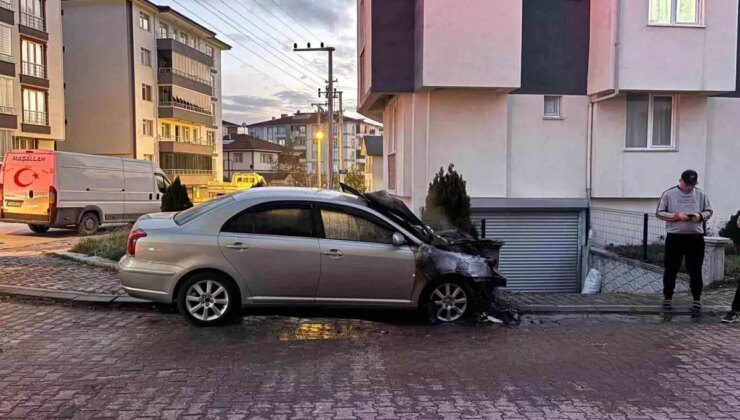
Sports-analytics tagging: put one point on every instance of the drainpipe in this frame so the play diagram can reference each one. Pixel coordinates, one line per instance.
(616, 5)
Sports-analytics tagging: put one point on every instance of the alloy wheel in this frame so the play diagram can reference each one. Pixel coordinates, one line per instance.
(450, 302)
(207, 300)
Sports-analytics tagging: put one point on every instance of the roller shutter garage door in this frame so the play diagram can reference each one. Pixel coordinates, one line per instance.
(541, 253)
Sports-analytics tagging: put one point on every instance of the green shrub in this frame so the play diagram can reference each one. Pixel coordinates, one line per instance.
(111, 246)
(176, 197)
(732, 231)
(448, 202)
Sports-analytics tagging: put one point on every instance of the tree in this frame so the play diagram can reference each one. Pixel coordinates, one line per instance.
(448, 202)
(290, 161)
(353, 178)
(176, 197)
(732, 231)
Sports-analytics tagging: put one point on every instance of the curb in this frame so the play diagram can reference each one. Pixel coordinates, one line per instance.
(75, 297)
(613, 309)
(94, 261)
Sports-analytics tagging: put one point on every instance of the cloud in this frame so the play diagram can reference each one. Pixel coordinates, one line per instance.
(330, 14)
(237, 102)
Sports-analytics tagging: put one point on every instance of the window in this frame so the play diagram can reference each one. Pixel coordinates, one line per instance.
(347, 227)
(281, 130)
(238, 157)
(285, 221)
(33, 59)
(209, 50)
(6, 50)
(146, 92)
(149, 157)
(7, 106)
(552, 106)
(146, 57)
(649, 121)
(34, 107)
(210, 137)
(164, 30)
(675, 12)
(192, 213)
(162, 183)
(266, 158)
(165, 131)
(147, 127)
(186, 133)
(144, 21)
(32, 14)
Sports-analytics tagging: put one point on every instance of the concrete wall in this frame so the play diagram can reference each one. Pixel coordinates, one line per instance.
(102, 89)
(601, 47)
(145, 144)
(473, 43)
(55, 71)
(722, 156)
(547, 157)
(620, 173)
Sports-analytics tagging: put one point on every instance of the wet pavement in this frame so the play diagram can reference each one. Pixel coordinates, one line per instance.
(86, 362)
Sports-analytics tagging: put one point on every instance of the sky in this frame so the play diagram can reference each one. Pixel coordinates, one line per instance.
(261, 75)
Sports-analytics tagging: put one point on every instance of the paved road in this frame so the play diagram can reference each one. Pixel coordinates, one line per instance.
(82, 362)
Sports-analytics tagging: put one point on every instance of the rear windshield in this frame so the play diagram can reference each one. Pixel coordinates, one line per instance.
(192, 213)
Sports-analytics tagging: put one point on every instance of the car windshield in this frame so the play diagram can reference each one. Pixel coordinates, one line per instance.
(192, 213)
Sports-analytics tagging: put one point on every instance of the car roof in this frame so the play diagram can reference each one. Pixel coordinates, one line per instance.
(298, 193)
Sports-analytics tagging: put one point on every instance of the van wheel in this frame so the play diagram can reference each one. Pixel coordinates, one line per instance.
(38, 228)
(89, 224)
(208, 299)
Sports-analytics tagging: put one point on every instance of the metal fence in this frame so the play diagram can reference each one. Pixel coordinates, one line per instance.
(612, 227)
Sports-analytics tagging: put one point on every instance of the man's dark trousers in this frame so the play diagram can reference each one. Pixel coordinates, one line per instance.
(677, 247)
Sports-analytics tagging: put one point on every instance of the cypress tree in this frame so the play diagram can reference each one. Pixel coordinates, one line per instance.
(448, 202)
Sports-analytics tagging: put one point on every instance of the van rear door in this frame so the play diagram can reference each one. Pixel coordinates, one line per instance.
(28, 178)
(140, 188)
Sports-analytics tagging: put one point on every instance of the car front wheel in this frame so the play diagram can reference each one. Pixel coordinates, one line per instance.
(208, 299)
(38, 228)
(450, 301)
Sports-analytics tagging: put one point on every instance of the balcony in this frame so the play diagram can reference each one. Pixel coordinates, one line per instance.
(33, 25)
(8, 119)
(170, 76)
(35, 122)
(7, 65)
(197, 146)
(6, 12)
(191, 177)
(168, 43)
(34, 74)
(186, 112)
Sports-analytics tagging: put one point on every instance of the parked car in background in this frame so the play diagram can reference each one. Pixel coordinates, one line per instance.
(60, 189)
(282, 246)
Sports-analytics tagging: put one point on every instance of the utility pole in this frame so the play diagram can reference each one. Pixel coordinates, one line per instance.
(329, 96)
(319, 138)
(341, 135)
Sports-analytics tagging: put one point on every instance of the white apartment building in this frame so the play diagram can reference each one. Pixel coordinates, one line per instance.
(302, 127)
(551, 108)
(144, 81)
(31, 80)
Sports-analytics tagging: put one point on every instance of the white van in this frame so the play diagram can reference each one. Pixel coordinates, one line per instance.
(46, 189)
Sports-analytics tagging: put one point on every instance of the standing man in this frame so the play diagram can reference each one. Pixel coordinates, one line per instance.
(684, 208)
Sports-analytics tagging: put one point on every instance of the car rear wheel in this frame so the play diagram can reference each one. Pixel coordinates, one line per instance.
(38, 228)
(89, 224)
(449, 301)
(208, 299)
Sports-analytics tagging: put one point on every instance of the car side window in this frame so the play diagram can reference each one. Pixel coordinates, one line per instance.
(343, 226)
(283, 221)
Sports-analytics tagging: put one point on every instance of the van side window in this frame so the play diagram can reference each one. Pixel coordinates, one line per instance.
(162, 183)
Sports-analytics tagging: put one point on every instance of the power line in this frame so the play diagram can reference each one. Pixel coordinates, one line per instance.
(278, 18)
(236, 56)
(286, 40)
(215, 12)
(294, 19)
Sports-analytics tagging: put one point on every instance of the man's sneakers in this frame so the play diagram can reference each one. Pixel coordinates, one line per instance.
(667, 305)
(696, 309)
(731, 317)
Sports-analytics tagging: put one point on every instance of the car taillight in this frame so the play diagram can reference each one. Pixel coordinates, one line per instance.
(52, 204)
(134, 236)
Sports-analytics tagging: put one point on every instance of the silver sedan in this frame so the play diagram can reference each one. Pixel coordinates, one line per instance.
(278, 246)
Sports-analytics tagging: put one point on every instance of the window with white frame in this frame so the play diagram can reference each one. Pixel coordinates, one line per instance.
(6, 49)
(147, 127)
(675, 12)
(164, 30)
(6, 96)
(146, 57)
(552, 107)
(650, 121)
(144, 21)
(146, 92)
(33, 58)
(266, 158)
(34, 107)
(238, 157)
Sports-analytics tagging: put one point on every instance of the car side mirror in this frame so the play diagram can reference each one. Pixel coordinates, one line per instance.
(398, 239)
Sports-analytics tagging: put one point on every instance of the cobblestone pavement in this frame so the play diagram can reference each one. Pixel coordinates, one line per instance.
(80, 362)
(39, 271)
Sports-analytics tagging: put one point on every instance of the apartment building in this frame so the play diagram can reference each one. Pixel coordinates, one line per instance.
(549, 108)
(31, 80)
(144, 81)
(302, 127)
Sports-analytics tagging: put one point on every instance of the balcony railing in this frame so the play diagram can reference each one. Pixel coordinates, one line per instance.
(174, 172)
(35, 117)
(7, 110)
(187, 106)
(7, 58)
(181, 139)
(7, 5)
(32, 21)
(32, 69)
(176, 72)
(188, 42)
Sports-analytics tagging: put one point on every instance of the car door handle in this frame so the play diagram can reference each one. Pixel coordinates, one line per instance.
(333, 253)
(239, 246)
